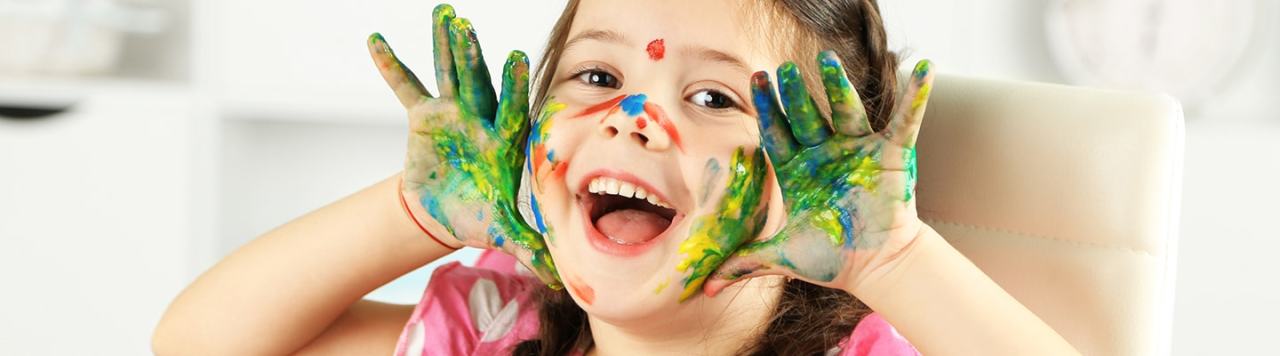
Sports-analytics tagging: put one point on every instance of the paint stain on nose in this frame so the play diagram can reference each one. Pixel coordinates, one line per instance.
(633, 105)
(641, 123)
(656, 49)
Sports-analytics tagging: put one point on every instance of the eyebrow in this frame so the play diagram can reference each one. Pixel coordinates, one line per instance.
(599, 35)
(709, 54)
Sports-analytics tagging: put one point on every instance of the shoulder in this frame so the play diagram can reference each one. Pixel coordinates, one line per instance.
(873, 336)
(468, 310)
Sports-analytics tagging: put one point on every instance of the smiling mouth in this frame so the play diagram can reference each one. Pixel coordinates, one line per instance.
(623, 216)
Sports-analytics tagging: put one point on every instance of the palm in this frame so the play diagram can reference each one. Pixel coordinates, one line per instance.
(464, 153)
(847, 192)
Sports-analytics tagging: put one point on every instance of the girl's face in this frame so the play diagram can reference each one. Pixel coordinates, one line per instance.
(648, 102)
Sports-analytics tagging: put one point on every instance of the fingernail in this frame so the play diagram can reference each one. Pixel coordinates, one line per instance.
(443, 10)
(829, 58)
(922, 69)
(462, 26)
(517, 56)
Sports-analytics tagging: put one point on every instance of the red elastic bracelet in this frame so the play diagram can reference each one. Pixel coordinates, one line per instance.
(404, 204)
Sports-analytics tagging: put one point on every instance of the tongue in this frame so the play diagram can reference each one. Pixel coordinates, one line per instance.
(631, 226)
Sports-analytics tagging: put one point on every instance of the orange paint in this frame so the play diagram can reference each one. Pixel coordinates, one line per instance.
(582, 290)
(640, 123)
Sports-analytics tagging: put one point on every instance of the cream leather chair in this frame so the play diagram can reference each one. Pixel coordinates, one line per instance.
(1067, 197)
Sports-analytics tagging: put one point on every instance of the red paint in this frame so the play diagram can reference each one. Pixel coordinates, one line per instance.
(560, 169)
(657, 115)
(653, 111)
(582, 290)
(607, 105)
(656, 49)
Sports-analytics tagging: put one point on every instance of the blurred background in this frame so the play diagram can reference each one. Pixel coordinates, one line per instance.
(141, 140)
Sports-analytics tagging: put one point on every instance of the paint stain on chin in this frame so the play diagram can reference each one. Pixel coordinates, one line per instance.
(582, 290)
(656, 49)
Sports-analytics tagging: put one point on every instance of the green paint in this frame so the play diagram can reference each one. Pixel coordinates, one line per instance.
(807, 124)
(909, 161)
(832, 188)
(466, 151)
(475, 88)
(847, 113)
(737, 220)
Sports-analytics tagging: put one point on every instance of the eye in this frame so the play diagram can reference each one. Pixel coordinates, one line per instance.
(599, 78)
(712, 99)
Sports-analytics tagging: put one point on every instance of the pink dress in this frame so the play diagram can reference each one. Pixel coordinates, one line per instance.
(486, 310)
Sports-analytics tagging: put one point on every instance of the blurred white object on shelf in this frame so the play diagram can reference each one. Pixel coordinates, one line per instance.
(70, 37)
(1186, 48)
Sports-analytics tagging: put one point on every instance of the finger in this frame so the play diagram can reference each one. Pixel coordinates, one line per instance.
(806, 123)
(775, 132)
(906, 121)
(475, 89)
(847, 113)
(736, 220)
(752, 261)
(513, 107)
(446, 74)
(530, 249)
(401, 80)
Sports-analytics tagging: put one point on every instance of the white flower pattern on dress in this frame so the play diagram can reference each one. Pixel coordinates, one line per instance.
(493, 320)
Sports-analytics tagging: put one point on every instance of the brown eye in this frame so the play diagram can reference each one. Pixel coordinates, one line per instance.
(599, 79)
(712, 99)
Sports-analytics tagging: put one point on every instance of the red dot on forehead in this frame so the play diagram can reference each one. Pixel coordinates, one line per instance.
(656, 49)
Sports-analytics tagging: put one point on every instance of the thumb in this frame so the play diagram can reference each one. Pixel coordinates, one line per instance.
(749, 262)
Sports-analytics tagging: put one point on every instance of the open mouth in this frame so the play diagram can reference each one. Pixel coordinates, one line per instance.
(625, 213)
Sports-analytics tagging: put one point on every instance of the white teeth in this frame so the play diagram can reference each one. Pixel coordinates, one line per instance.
(605, 185)
(626, 189)
(611, 186)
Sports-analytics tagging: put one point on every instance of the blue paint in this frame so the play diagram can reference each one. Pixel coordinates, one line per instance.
(537, 213)
(433, 208)
(551, 156)
(846, 221)
(480, 215)
(498, 241)
(528, 146)
(633, 105)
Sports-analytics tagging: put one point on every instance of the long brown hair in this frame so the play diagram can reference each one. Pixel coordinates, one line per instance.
(808, 319)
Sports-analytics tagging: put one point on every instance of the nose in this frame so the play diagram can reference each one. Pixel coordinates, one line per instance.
(641, 122)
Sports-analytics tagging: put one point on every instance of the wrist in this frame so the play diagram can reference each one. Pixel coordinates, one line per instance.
(884, 270)
(417, 216)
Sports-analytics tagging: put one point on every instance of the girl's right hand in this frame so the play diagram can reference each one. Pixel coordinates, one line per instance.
(465, 147)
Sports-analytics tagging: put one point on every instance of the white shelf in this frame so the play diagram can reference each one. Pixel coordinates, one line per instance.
(63, 92)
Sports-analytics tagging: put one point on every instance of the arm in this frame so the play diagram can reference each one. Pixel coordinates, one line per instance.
(945, 305)
(277, 293)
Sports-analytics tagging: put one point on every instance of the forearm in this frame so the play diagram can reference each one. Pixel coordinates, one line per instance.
(273, 295)
(945, 305)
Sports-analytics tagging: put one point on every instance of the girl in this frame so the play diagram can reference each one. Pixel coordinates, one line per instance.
(664, 199)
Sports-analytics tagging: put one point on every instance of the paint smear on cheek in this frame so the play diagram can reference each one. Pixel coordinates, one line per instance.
(656, 49)
(711, 172)
(582, 290)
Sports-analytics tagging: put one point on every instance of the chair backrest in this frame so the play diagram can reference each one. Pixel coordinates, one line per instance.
(1068, 197)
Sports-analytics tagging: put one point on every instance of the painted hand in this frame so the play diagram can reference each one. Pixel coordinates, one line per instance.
(736, 220)
(465, 146)
(848, 194)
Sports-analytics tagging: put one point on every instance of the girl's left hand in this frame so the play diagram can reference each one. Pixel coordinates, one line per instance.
(848, 193)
